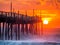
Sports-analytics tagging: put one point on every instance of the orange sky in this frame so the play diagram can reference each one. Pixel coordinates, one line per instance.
(27, 4)
(48, 9)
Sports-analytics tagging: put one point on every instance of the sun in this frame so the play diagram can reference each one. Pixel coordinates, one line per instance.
(45, 22)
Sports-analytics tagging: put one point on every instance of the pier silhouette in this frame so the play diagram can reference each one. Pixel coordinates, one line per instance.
(15, 23)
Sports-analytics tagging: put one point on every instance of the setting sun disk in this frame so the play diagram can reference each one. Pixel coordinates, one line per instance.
(45, 22)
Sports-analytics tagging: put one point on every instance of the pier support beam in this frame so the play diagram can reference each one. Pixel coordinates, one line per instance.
(26, 28)
(18, 31)
(11, 26)
(22, 28)
(0, 31)
(8, 32)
